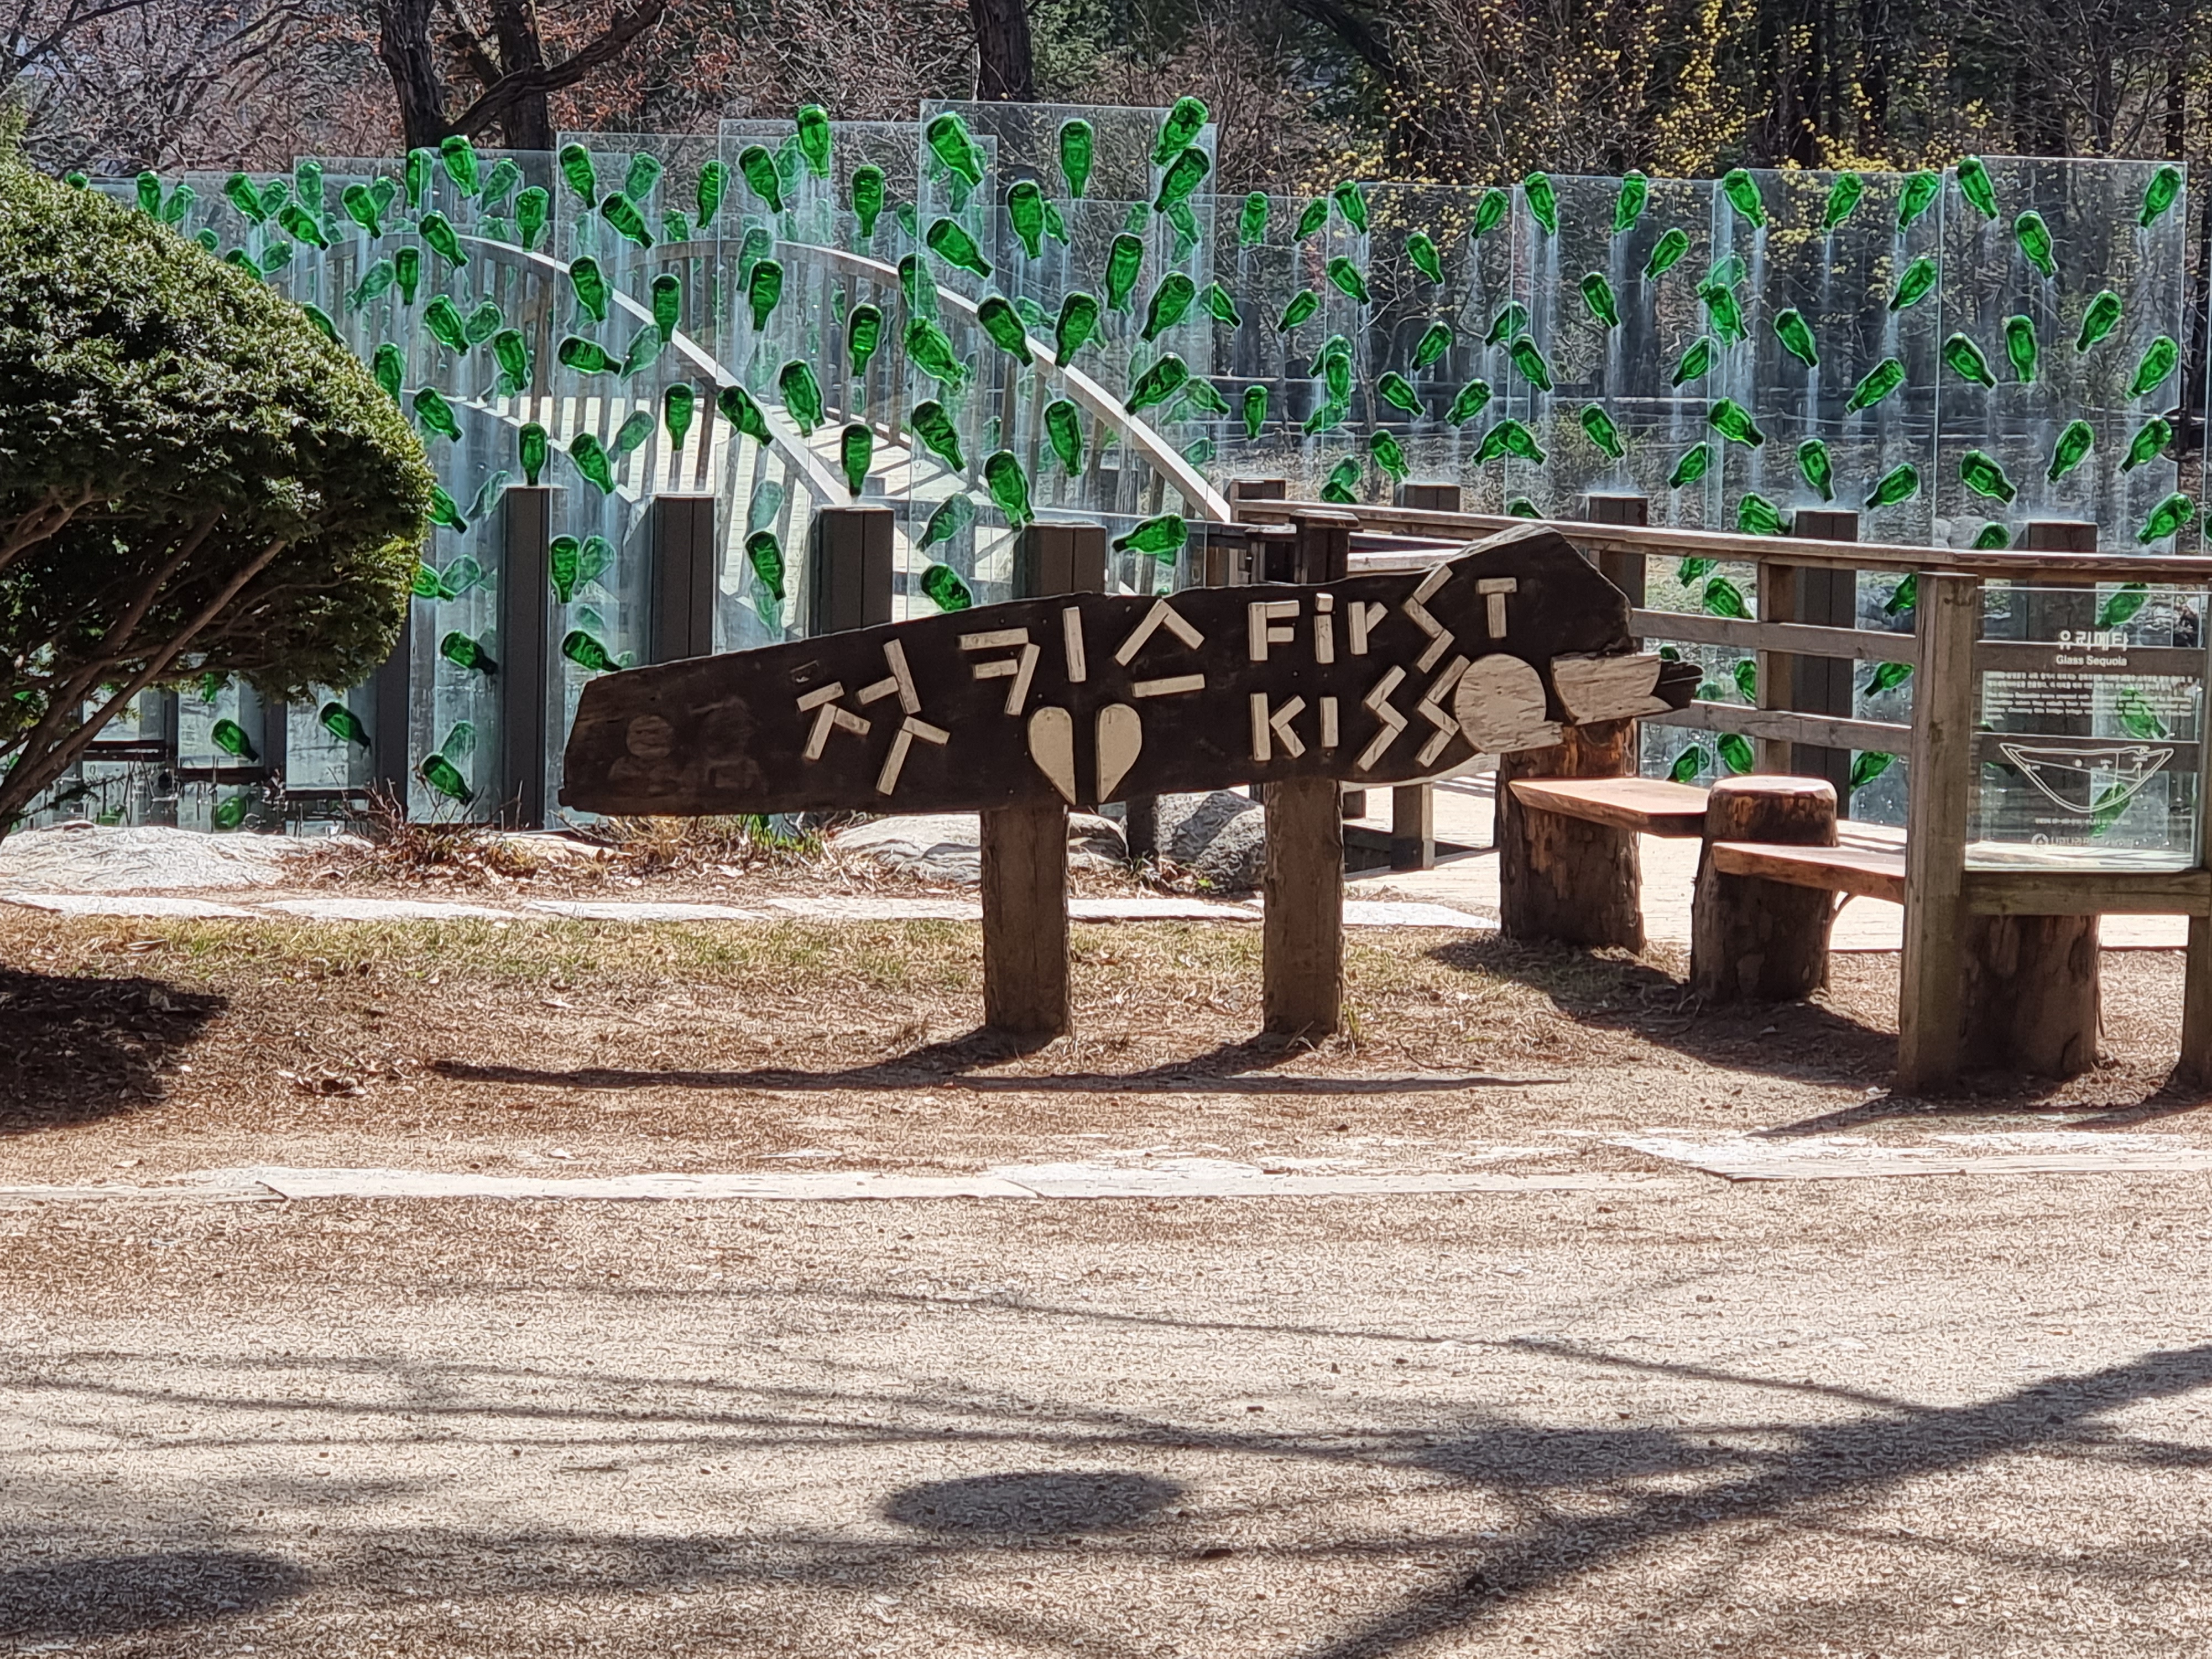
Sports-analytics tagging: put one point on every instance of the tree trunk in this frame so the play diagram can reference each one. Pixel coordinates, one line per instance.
(1005, 72)
(1761, 941)
(403, 42)
(1563, 878)
(528, 124)
(2031, 998)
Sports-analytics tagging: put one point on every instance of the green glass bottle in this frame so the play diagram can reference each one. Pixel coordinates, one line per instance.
(952, 515)
(1543, 201)
(1992, 538)
(1351, 204)
(917, 289)
(438, 234)
(933, 426)
(2020, 347)
(1976, 186)
(856, 453)
(443, 318)
(1218, 305)
(444, 778)
(863, 335)
(1125, 262)
(463, 652)
(2072, 449)
(342, 723)
(2033, 237)
(1161, 537)
(530, 447)
(459, 156)
(1387, 453)
(1964, 359)
(763, 290)
(584, 356)
(278, 255)
(1394, 389)
(1981, 474)
(1184, 122)
(801, 394)
(1917, 195)
(1510, 437)
(2160, 195)
(1725, 312)
(1742, 190)
(757, 168)
(1252, 220)
(1302, 306)
(1723, 597)
(591, 460)
(1628, 205)
(1421, 252)
(149, 194)
(435, 414)
(929, 350)
(867, 198)
(631, 435)
(1696, 360)
(1598, 299)
(2169, 518)
(1158, 383)
(389, 368)
(361, 208)
(619, 211)
(1336, 373)
(588, 653)
(955, 146)
(1009, 486)
(1598, 427)
(1473, 397)
(1311, 218)
(178, 207)
(1728, 272)
(511, 353)
(765, 554)
(1530, 364)
(1917, 283)
(2159, 359)
(1078, 150)
(1666, 253)
(1733, 422)
(666, 293)
(2099, 320)
(1507, 324)
(1063, 430)
(679, 407)
(1025, 216)
(415, 174)
(1490, 209)
(1757, 516)
(1796, 337)
(589, 285)
(375, 281)
(1342, 483)
(1900, 483)
(237, 190)
(1255, 412)
(301, 226)
(942, 586)
(1817, 467)
(1000, 320)
(814, 143)
(1843, 200)
(1436, 340)
(1879, 382)
(229, 736)
(1077, 323)
(2148, 445)
(481, 324)
(1345, 276)
(739, 409)
(1183, 176)
(1171, 300)
(713, 185)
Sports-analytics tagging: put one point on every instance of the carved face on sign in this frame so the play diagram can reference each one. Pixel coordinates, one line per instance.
(1088, 698)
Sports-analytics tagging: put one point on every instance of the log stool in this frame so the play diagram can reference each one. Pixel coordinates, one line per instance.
(1752, 939)
(1567, 878)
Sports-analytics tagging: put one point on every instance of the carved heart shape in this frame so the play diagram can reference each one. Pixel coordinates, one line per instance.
(1120, 740)
(1052, 748)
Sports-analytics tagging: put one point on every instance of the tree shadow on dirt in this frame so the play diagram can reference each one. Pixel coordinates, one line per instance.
(75, 1049)
(123, 1595)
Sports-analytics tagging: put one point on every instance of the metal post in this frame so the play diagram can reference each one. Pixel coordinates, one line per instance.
(683, 579)
(525, 598)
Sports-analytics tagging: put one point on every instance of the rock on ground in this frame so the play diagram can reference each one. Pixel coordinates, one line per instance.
(949, 846)
(1221, 836)
(97, 858)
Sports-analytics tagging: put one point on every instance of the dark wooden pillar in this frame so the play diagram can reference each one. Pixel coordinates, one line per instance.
(849, 574)
(684, 578)
(1563, 878)
(1624, 570)
(1303, 923)
(1822, 685)
(1025, 984)
(525, 600)
(1430, 497)
(1753, 940)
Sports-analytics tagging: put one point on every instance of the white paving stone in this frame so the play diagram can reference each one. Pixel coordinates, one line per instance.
(101, 858)
(1387, 912)
(1847, 1158)
(622, 910)
(108, 904)
(1155, 909)
(843, 907)
(364, 909)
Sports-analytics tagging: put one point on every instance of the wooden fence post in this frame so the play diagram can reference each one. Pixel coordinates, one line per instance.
(1930, 1016)
(1025, 983)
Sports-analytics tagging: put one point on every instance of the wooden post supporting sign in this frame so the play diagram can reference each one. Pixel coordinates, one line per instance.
(1930, 1022)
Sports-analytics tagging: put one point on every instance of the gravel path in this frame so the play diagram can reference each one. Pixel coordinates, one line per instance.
(1943, 1416)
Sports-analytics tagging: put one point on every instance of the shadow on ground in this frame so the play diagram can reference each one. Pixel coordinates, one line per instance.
(120, 1595)
(73, 1050)
(1032, 1505)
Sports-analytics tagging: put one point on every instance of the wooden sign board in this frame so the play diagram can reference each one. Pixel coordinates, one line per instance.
(1088, 698)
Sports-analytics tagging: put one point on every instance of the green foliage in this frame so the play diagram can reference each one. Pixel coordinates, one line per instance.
(193, 480)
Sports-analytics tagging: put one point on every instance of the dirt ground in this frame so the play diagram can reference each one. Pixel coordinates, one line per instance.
(1936, 1416)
